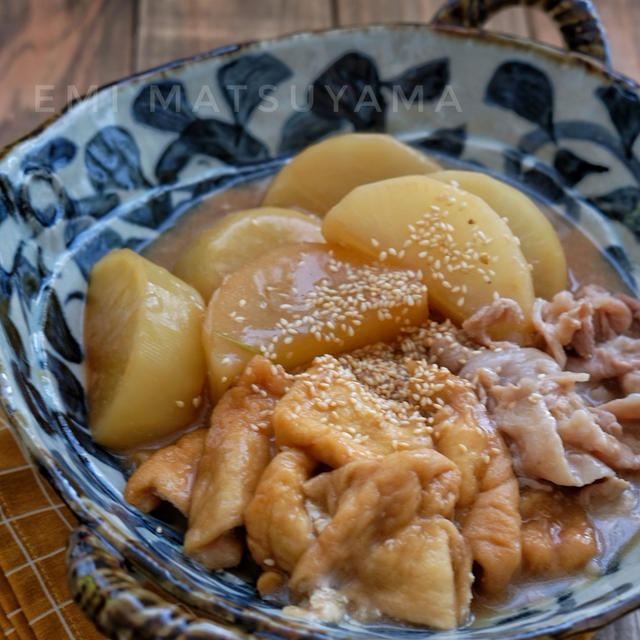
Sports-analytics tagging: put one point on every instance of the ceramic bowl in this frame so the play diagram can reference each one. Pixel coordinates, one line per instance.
(119, 167)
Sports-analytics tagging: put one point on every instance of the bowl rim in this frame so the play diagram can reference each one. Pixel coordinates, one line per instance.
(554, 54)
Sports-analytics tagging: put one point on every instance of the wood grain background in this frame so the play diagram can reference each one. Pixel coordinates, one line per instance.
(83, 44)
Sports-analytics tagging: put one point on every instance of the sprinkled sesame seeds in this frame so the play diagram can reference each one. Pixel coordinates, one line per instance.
(333, 308)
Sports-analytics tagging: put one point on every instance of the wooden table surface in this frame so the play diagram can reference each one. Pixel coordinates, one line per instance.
(73, 46)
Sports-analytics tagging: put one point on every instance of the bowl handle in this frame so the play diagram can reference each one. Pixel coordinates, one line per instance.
(121, 607)
(578, 21)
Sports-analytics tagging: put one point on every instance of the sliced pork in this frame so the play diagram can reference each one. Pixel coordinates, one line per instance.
(556, 436)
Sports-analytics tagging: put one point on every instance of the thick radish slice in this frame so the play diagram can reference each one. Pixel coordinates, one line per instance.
(300, 301)
(238, 238)
(321, 175)
(466, 252)
(538, 240)
(146, 366)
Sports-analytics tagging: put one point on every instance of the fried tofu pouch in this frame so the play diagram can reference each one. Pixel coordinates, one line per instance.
(236, 451)
(167, 475)
(386, 542)
(557, 535)
(336, 419)
(279, 528)
(488, 507)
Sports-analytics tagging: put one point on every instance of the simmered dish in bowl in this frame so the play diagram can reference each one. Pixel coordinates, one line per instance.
(383, 385)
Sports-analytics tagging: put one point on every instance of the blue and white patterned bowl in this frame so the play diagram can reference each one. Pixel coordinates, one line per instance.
(121, 166)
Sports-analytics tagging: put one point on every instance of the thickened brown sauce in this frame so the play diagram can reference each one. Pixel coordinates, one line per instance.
(618, 526)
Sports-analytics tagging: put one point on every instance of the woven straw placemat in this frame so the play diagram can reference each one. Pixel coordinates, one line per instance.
(34, 527)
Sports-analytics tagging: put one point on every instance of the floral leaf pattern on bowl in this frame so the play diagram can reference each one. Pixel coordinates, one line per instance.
(624, 110)
(221, 140)
(306, 127)
(523, 88)
(247, 81)
(25, 276)
(53, 155)
(622, 205)
(427, 80)
(112, 158)
(7, 203)
(573, 168)
(70, 389)
(350, 88)
(43, 199)
(99, 245)
(153, 214)
(163, 105)
(449, 142)
(95, 206)
(57, 331)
